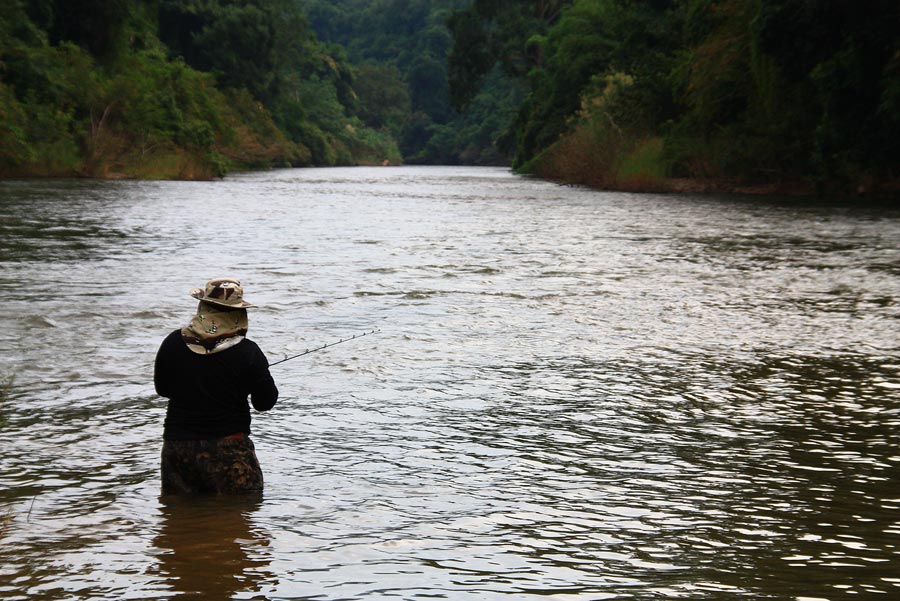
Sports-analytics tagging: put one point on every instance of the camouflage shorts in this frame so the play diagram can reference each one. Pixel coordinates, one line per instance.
(224, 466)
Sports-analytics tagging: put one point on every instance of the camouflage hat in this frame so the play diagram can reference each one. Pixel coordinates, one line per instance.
(224, 292)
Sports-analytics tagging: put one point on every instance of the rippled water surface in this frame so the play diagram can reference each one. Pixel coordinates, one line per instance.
(574, 394)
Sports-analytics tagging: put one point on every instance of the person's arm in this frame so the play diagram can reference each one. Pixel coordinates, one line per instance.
(263, 392)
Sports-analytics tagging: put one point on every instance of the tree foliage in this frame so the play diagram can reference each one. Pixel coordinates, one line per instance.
(101, 27)
(411, 39)
(268, 48)
(758, 90)
(491, 32)
(173, 88)
(607, 92)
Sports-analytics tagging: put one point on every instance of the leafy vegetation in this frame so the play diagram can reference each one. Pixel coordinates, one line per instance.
(611, 93)
(629, 94)
(401, 49)
(194, 88)
(166, 88)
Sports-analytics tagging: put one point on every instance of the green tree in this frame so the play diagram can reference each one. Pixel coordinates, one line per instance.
(490, 32)
(232, 39)
(99, 26)
(383, 96)
(790, 88)
(412, 37)
(851, 57)
(126, 111)
(592, 39)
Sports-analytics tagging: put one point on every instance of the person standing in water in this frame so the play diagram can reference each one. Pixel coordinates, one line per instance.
(208, 370)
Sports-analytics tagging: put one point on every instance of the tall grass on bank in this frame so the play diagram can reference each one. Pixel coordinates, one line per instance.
(607, 145)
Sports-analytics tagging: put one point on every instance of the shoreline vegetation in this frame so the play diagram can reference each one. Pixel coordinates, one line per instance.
(761, 97)
(780, 97)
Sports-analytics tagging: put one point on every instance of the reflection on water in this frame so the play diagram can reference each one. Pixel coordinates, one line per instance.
(573, 394)
(208, 547)
(767, 467)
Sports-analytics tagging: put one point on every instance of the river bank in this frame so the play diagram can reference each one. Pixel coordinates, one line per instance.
(183, 166)
(794, 188)
(597, 173)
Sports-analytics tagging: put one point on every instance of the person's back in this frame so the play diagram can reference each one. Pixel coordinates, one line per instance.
(208, 370)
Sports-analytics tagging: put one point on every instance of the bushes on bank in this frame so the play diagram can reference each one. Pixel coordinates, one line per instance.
(129, 107)
(143, 115)
(731, 91)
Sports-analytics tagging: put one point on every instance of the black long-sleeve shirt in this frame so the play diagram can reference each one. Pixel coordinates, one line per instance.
(208, 393)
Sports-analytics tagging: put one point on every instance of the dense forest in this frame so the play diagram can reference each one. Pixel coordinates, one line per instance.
(195, 88)
(173, 89)
(781, 94)
(400, 51)
(627, 94)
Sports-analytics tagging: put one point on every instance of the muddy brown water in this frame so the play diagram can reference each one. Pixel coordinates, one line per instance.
(573, 395)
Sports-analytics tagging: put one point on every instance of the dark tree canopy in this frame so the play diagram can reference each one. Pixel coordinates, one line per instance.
(605, 92)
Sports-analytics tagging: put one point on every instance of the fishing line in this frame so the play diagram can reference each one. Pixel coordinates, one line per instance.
(324, 346)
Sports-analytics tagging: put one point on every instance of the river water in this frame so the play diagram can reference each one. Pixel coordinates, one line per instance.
(573, 394)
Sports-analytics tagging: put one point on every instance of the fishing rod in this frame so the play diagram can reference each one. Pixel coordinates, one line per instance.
(324, 346)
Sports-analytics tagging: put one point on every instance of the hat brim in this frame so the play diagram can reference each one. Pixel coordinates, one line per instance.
(212, 301)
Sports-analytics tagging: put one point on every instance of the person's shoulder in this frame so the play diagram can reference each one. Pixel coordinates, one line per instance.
(170, 343)
(249, 346)
(173, 340)
(173, 335)
(250, 349)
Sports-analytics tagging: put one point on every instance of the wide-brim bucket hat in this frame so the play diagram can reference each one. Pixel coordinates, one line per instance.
(223, 292)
